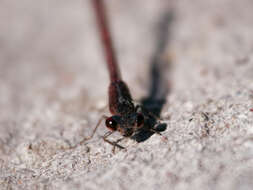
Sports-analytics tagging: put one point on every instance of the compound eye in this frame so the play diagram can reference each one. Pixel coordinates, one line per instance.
(111, 124)
(140, 119)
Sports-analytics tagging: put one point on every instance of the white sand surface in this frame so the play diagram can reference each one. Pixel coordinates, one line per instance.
(53, 90)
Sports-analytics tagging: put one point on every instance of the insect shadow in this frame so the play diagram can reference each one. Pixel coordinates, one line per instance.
(159, 83)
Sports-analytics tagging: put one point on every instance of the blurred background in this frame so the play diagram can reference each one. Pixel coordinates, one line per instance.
(50, 50)
(52, 62)
(53, 77)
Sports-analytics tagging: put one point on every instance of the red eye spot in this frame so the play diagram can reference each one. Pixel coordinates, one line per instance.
(140, 119)
(111, 124)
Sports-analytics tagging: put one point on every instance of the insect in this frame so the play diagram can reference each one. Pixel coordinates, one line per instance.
(127, 119)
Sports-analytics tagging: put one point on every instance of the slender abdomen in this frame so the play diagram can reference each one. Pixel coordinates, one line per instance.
(111, 60)
(120, 100)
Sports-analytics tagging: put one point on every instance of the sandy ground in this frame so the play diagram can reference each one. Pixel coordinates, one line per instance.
(53, 86)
